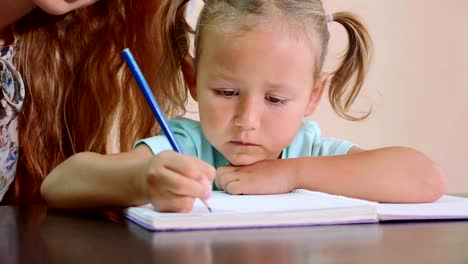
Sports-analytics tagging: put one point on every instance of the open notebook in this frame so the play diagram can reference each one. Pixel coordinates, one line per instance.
(298, 208)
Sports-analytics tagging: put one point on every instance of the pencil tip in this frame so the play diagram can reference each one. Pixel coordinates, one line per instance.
(209, 209)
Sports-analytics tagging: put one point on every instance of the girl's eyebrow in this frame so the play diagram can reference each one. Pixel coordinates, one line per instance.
(275, 85)
(270, 85)
(279, 85)
(220, 73)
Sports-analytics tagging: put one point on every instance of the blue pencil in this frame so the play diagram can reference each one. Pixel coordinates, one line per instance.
(158, 113)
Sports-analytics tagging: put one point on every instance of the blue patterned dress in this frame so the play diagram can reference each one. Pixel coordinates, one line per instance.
(11, 100)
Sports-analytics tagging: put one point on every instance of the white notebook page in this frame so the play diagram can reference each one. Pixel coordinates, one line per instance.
(295, 201)
(447, 207)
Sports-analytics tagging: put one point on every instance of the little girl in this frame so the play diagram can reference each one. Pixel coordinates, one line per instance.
(256, 74)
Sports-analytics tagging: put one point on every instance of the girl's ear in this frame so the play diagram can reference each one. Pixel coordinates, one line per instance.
(316, 94)
(190, 76)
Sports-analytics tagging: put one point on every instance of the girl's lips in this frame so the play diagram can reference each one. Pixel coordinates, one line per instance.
(241, 143)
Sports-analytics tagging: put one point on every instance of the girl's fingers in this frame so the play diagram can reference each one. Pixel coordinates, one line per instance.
(180, 185)
(174, 180)
(188, 166)
(174, 203)
(236, 187)
(224, 176)
(232, 183)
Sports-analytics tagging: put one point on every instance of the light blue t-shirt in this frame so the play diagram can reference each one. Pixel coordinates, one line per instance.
(191, 139)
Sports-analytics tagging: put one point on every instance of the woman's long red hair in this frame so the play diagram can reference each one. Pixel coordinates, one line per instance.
(78, 87)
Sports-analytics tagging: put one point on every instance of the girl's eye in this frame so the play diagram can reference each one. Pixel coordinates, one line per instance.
(274, 100)
(227, 93)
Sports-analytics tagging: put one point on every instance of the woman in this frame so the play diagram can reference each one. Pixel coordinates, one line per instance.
(66, 88)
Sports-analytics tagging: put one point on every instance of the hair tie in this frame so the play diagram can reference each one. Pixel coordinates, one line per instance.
(329, 18)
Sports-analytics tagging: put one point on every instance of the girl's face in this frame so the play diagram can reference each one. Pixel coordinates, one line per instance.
(60, 7)
(253, 91)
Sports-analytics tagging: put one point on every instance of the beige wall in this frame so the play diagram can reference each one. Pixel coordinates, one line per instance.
(417, 83)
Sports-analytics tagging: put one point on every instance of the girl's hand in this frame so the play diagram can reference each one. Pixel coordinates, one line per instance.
(264, 177)
(174, 180)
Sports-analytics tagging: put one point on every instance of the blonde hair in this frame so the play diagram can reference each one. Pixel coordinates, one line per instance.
(78, 87)
(307, 15)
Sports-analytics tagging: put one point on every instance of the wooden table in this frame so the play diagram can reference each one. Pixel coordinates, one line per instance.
(35, 234)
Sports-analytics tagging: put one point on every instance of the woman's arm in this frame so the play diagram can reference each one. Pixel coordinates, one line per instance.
(394, 174)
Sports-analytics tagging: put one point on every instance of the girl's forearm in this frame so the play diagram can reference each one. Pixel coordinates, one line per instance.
(393, 174)
(91, 180)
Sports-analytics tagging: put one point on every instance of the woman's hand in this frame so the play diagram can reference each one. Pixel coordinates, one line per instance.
(264, 177)
(174, 180)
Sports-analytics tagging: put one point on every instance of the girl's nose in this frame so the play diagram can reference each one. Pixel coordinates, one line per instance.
(248, 113)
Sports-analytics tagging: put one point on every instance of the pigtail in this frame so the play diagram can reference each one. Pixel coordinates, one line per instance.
(353, 68)
(174, 42)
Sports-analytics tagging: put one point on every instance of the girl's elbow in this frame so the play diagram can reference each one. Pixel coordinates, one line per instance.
(49, 189)
(56, 183)
(429, 177)
(46, 190)
(434, 184)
